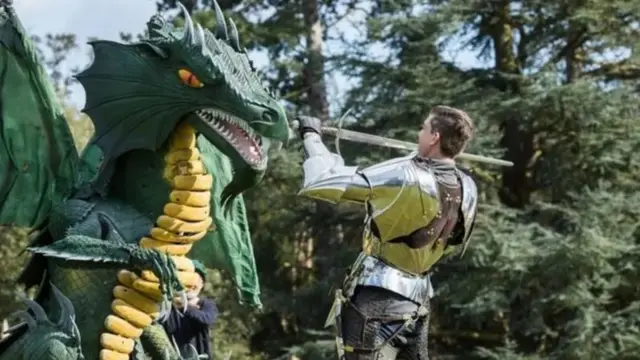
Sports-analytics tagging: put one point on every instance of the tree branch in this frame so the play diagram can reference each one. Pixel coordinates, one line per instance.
(622, 70)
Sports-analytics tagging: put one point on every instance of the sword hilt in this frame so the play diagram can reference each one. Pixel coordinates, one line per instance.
(295, 126)
(326, 130)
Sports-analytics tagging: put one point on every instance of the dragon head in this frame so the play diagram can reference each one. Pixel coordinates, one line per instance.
(138, 93)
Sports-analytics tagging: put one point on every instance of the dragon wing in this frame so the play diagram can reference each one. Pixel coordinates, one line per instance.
(38, 158)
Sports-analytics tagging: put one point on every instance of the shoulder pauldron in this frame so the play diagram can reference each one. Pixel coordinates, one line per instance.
(403, 198)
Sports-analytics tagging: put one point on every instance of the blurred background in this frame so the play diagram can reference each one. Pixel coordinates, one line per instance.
(552, 271)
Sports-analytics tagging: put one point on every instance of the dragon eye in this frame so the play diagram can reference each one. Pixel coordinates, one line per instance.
(189, 79)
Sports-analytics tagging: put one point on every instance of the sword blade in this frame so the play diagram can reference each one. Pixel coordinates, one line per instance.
(364, 138)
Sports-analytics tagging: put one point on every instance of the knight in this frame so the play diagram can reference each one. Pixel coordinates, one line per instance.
(419, 208)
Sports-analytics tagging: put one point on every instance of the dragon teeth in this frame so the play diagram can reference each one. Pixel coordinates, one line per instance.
(215, 119)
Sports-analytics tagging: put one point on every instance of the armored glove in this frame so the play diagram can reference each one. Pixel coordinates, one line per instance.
(308, 123)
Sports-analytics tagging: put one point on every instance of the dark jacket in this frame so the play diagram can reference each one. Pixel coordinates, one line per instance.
(193, 327)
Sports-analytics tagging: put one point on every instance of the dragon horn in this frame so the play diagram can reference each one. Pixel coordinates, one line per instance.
(221, 27)
(189, 31)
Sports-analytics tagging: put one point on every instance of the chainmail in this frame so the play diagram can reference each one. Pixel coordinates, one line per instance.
(445, 171)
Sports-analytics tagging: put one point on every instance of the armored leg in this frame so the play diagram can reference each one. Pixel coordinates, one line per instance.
(378, 324)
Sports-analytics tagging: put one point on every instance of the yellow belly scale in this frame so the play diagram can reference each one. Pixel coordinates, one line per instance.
(186, 219)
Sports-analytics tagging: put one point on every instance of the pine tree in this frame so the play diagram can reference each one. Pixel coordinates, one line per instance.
(549, 271)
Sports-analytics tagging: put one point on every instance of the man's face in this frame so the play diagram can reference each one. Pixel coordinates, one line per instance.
(195, 291)
(427, 140)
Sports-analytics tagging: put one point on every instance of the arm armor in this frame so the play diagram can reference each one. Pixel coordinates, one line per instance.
(327, 178)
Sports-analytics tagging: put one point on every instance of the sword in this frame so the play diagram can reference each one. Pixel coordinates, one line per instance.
(364, 138)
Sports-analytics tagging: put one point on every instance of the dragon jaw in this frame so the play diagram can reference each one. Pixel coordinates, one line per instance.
(250, 146)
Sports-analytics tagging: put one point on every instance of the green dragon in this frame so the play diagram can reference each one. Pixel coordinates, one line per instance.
(183, 124)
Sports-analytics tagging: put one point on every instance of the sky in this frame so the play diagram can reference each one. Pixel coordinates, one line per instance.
(40, 17)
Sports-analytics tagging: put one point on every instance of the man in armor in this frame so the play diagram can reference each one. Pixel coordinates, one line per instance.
(419, 207)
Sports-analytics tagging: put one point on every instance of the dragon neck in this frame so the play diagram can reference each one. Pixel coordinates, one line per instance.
(186, 217)
(183, 219)
(169, 182)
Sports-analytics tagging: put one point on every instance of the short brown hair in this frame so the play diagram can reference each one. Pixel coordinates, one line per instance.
(454, 126)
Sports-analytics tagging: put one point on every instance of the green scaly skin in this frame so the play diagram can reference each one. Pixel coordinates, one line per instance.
(60, 338)
(91, 211)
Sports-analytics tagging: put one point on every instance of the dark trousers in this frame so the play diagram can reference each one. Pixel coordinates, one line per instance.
(372, 317)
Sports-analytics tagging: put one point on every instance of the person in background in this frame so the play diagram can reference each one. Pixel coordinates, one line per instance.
(192, 327)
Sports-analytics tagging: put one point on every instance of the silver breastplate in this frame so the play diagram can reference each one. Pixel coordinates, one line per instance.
(404, 197)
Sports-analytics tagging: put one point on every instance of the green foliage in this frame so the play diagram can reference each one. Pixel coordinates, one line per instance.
(12, 243)
(236, 323)
(551, 279)
(81, 127)
(53, 52)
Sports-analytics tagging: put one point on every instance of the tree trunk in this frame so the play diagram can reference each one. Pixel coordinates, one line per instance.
(314, 68)
(517, 136)
(573, 56)
(313, 79)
